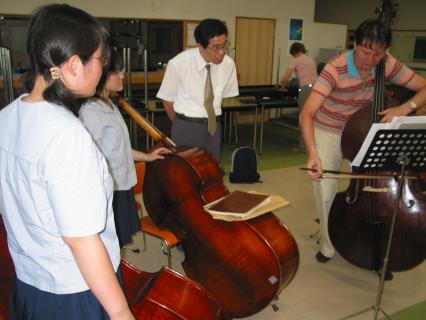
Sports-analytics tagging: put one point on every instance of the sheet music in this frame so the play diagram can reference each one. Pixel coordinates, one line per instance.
(413, 122)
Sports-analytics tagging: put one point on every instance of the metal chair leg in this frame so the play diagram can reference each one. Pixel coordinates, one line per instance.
(165, 247)
(144, 242)
(236, 126)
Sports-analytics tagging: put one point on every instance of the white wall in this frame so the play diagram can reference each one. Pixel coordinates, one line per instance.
(326, 35)
(315, 35)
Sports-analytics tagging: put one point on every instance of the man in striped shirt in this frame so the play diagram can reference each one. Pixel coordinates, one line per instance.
(344, 86)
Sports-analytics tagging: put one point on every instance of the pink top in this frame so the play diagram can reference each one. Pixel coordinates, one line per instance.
(305, 69)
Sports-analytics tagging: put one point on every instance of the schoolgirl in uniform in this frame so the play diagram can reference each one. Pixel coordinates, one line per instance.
(55, 189)
(103, 120)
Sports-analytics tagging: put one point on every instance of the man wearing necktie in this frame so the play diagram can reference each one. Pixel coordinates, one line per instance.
(195, 82)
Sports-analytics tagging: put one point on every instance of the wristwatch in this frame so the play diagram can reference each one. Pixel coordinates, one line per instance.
(413, 105)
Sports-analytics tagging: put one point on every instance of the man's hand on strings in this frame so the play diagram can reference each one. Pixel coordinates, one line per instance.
(389, 113)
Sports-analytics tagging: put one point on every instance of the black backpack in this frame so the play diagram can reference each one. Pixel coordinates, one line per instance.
(244, 166)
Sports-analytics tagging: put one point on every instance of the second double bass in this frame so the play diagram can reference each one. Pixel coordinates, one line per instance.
(360, 217)
(243, 264)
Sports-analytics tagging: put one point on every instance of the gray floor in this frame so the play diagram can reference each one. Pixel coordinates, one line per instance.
(319, 291)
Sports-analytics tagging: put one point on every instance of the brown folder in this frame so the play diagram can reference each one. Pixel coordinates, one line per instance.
(274, 202)
(238, 203)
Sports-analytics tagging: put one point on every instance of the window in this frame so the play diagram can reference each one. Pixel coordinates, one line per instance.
(420, 49)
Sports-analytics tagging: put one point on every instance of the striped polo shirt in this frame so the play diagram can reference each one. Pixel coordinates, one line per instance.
(346, 92)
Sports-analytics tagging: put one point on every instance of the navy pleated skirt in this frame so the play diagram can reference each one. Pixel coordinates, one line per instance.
(125, 215)
(29, 303)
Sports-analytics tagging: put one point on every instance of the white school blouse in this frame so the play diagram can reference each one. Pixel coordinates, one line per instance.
(111, 135)
(54, 182)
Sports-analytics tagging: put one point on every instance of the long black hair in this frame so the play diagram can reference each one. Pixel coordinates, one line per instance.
(56, 33)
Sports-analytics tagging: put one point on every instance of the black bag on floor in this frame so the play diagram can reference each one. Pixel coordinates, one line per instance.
(244, 166)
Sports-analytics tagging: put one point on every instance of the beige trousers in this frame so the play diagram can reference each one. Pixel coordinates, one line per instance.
(328, 147)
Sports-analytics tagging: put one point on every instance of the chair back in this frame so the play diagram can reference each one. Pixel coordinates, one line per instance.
(140, 174)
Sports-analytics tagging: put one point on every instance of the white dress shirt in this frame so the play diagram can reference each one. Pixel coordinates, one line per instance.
(185, 78)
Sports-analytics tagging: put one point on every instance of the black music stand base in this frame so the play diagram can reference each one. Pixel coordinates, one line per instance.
(403, 160)
(384, 152)
(372, 308)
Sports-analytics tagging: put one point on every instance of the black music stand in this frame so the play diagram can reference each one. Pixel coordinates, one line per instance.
(394, 150)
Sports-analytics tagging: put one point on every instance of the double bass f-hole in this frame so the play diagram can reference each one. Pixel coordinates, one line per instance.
(348, 198)
(409, 204)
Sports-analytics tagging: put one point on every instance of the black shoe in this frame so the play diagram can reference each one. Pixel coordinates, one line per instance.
(388, 275)
(321, 258)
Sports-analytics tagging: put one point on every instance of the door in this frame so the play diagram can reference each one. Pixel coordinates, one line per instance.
(254, 50)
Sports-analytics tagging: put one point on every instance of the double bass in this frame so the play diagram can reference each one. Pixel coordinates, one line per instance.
(168, 295)
(244, 264)
(165, 294)
(360, 217)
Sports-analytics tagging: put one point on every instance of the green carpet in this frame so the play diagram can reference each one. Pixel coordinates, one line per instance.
(278, 143)
(415, 312)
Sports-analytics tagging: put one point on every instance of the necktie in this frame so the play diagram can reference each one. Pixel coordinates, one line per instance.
(208, 103)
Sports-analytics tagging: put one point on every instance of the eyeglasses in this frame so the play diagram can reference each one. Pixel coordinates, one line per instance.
(219, 47)
(120, 73)
(103, 60)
